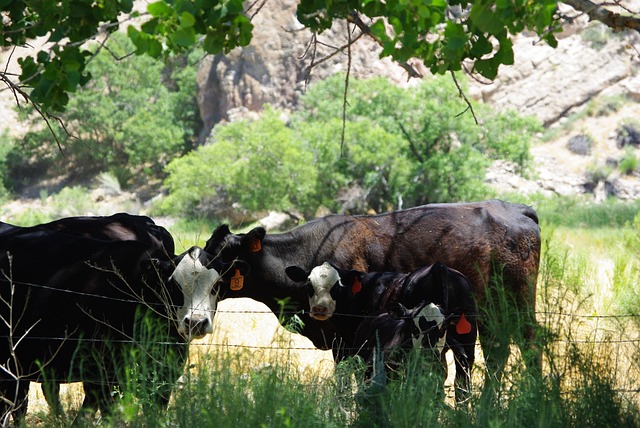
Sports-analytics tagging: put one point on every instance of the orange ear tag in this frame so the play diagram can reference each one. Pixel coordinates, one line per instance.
(357, 286)
(463, 326)
(255, 245)
(237, 281)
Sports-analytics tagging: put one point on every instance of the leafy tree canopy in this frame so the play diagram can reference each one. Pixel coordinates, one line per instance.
(125, 120)
(442, 33)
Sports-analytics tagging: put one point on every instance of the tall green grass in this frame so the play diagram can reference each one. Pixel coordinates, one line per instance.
(585, 382)
(589, 375)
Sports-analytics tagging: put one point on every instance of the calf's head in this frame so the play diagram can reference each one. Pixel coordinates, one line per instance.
(429, 330)
(324, 288)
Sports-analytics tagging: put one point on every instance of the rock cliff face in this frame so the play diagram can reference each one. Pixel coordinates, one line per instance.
(548, 83)
(274, 69)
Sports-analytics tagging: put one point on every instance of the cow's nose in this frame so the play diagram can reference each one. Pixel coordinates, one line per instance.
(197, 327)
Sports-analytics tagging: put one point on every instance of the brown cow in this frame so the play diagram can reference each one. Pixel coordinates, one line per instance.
(495, 244)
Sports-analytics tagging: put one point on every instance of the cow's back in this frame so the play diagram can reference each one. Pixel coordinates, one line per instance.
(68, 285)
(473, 238)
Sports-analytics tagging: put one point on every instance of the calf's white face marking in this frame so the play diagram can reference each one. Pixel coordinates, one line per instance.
(322, 278)
(429, 322)
(195, 317)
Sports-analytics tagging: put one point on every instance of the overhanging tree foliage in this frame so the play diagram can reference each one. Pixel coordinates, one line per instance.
(441, 33)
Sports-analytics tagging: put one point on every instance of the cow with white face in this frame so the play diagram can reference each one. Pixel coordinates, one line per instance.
(322, 282)
(423, 328)
(196, 280)
(113, 278)
(360, 305)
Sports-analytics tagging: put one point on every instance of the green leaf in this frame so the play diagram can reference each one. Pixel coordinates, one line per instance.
(187, 20)
(378, 29)
(484, 19)
(160, 9)
(481, 46)
(505, 53)
(246, 30)
(213, 43)
(487, 67)
(184, 37)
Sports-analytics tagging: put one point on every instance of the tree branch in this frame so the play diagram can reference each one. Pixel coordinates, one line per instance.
(609, 18)
(412, 145)
(354, 18)
(464, 97)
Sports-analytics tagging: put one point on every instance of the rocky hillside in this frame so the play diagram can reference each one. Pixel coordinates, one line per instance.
(584, 90)
(591, 64)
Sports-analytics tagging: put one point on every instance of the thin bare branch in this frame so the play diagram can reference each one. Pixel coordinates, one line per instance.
(464, 97)
(345, 101)
(599, 12)
(412, 145)
(341, 49)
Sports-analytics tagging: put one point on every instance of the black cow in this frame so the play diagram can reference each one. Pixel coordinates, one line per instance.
(83, 294)
(358, 304)
(495, 244)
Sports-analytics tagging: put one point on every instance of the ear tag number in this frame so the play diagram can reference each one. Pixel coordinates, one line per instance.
(237, 281)
(255, 245)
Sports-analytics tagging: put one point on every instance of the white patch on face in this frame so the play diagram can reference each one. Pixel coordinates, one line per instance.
(432, 314)
(196, 282)
(322, 278)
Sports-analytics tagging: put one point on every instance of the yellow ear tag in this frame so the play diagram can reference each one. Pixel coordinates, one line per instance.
(237, 281)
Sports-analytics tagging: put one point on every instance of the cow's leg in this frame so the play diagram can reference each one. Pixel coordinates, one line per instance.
(463, 359)
(463, 346)
(51, 392)
(496, 352)
(94, 400)
(529, 347)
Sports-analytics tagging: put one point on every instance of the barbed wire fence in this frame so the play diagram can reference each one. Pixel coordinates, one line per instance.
(604, 335)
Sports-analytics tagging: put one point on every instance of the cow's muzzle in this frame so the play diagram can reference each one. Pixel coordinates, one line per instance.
(320, 313)
(196, 327)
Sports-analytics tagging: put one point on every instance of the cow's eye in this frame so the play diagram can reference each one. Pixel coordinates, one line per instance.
(310, 290)
(425, 325)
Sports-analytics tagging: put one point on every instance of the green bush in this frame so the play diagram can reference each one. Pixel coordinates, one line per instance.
(125, 118)
(258, 164)
(629, 162)
(444, 154)
(401, 147)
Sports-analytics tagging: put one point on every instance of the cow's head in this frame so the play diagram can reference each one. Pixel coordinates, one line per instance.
(429, 331)
(196, 273)
(229, 246)
(324, 286)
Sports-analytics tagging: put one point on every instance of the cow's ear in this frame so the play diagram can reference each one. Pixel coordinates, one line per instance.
(217, 237)
(397, 310)
(352, 280)
(297, 274)
(252, 241)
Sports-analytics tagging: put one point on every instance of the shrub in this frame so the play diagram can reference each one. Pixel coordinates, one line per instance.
(124, 118)
(258, 164)
(401, 148)
(629, 162)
